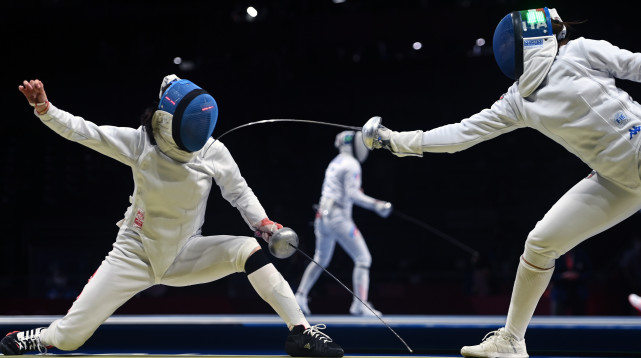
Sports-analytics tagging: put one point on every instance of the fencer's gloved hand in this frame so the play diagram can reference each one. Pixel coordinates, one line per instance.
(383, 208)
(401, 144)
(265, 228)
(168, 80)
(375, 135)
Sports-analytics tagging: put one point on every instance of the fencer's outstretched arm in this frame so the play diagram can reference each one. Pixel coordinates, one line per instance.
(450, 138)
(120, 143)
(34, 92)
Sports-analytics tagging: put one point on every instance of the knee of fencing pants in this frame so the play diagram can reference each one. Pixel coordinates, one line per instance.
(537, 259)
(544, 245)
(363, 260)
(245, 252)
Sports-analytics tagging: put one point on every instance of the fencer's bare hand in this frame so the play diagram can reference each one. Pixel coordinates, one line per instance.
(34, 92)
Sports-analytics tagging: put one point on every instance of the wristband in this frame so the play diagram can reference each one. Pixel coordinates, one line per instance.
(43, 111)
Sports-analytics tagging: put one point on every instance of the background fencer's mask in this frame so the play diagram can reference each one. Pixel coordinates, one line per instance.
(351, 142)
(525, 46)
(193, 111)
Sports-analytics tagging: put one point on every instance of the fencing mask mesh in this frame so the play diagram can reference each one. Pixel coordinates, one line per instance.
(351, 142)
(194, 112)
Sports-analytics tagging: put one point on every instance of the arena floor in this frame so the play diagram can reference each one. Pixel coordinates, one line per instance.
(263, 336)
(142, 355)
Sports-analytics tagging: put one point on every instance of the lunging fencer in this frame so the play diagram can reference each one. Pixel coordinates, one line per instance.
(174, 162)
(566, 90)
(333, 224)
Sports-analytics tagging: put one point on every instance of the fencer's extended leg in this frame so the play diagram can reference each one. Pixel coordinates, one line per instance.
(593, 205)
(272, 287)
(360, 279)
(120, 276)
(324, 249)
(310, 276)
(313, 271)
(590, 207)
(352, 241)
(529, 285)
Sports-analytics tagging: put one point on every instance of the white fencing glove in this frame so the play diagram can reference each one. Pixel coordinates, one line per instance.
(383, 208)
(166, 82)
(401, 144)
(265, 228)
(375, 135)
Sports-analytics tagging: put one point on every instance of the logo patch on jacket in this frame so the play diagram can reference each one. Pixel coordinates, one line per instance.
(140, 219)
(634, 131)
(620, 119)
(533, 43)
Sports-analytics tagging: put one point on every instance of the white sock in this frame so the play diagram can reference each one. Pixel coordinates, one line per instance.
(272, 287)
(529, 285)
(360, 279)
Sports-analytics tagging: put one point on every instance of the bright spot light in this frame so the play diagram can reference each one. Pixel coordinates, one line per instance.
(252, 12)
(178, 60)
(338, 1)
(417, 45)
(187, 66)
(480, 42)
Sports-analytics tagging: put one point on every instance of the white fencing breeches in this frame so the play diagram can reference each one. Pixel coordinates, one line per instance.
(126, 271)
(341, 230)
(590, 207)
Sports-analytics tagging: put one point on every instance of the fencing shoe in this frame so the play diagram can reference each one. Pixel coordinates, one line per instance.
(635, 301)
(17, 343)
(497, 344)
(302, 303)
(311, 342)
(359, 309)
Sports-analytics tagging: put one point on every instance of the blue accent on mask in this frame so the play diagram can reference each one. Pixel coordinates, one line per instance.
(510, 34)
(504, 46)
(194, 111)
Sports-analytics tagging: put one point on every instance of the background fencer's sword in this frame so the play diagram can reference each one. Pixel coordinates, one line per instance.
(436, 232)
(283, 243)
(290, 120)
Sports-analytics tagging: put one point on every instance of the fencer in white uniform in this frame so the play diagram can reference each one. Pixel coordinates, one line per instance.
(568, 93)
(174, 161)
(333, 224)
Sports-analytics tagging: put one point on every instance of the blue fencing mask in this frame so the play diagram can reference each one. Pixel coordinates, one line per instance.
(525, 46)
(194, 114)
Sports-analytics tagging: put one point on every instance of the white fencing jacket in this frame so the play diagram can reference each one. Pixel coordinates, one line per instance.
(342, 187)
(578, 105)
(169, 200)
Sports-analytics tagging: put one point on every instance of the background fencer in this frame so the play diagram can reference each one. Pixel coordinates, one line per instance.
(566, 90)
(174, 162)
(333, 224)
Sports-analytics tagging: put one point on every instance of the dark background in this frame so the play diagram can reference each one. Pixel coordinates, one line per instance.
(307, 59)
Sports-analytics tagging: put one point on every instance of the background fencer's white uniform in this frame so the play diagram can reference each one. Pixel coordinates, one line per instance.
(333, 224)
(159, 241)
(579, 106)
